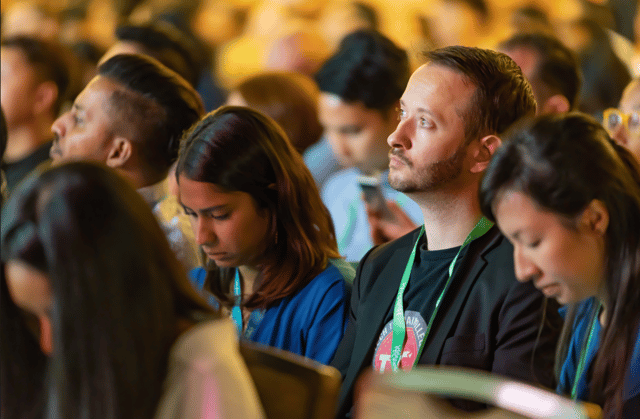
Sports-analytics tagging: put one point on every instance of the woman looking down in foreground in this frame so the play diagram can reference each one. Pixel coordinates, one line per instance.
(568, 198)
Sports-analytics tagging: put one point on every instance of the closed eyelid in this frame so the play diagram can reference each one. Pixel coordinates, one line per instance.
(350, 130)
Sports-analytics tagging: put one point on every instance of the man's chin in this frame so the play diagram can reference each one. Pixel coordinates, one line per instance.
(401, 185)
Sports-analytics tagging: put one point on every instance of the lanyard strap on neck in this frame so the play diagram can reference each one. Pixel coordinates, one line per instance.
(399, 327)
(236, 312)
(584, 351)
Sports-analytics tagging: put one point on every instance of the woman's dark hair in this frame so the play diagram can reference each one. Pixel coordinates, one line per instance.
(22, 363)
(118, 294)
(239, 149)
(563, 163)
(290, 99)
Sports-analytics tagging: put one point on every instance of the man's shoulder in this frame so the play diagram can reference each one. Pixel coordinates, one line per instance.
(385, 256)
(495, 252)
(388, 250)
(495, 247)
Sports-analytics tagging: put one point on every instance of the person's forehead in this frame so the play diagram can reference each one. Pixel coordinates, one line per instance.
(438, 85)
(440, 72)
(98, 94)
(346, 110)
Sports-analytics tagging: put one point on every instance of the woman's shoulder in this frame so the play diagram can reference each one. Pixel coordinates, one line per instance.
(337, 271)
(332, 281)
(198, 276)
(633, 384)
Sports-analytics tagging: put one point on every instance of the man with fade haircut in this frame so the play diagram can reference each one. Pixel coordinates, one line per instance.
(551, 68)
(359, 90)
(446, 293)
(35, 79)
(131, 117)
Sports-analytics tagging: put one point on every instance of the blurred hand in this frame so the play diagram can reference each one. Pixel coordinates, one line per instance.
(384, 229)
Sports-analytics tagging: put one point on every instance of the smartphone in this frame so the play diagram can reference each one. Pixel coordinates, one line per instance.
(373, 196)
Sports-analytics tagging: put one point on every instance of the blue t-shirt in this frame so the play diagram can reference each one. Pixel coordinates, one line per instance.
(568, 373)
(309, 323)
(342, 196)
(321, 161)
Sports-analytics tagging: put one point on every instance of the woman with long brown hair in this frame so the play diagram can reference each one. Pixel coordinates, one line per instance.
(257, 215)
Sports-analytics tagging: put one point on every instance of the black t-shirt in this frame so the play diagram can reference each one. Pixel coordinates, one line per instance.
(428, 278)
(16, 171)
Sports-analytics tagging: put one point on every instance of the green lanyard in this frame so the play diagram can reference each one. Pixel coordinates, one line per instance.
(584, 352)
(399, 328)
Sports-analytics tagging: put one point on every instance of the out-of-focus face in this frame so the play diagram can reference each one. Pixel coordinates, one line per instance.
(527, 60)
(85, 132)
(338, 19)
(357, 134)
(19, 83)
(565, 259)
(228, 226)
(627, 134)
(453, 23)
(236, 99)
(30, 290)
(428, 149)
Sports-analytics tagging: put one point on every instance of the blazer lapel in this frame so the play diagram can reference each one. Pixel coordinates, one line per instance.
(379, 301)
(464, 279)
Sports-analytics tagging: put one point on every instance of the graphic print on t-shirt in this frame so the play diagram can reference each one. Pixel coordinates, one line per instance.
(415, 331)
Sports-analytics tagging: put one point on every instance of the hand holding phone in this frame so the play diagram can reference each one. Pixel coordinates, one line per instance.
(373, 196)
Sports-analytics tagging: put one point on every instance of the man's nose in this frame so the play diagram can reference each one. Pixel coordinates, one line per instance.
(58, 128)
(400, 137)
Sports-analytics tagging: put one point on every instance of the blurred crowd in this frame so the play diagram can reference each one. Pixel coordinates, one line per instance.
(329, 178)
(232, 39)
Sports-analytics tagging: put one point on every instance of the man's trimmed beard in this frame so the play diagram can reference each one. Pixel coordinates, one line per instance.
(430, 178)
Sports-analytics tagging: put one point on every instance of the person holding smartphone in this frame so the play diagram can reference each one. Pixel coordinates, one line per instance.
(360, 87)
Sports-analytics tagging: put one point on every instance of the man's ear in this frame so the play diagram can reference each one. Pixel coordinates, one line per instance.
(555, 104)
(595, 217)
(120, 152)
(45, 97)
(482, 152)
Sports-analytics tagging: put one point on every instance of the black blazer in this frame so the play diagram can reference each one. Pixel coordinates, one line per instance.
(488, 320)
